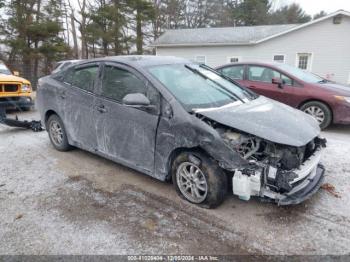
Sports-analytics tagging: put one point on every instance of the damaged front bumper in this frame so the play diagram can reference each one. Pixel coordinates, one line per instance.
(307, 179)
(306, 189)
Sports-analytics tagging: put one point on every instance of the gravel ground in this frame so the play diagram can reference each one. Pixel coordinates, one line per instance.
(79, 203)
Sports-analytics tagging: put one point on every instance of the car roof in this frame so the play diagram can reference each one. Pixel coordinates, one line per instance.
(71, 61)
(140, 60)
(258, 63)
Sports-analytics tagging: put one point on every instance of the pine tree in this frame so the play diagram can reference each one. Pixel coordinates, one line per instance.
(291, 14)
(33, 34)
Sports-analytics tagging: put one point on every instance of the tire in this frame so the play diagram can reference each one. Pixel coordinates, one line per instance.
(320, 111)
(57, 133)
(210, 182)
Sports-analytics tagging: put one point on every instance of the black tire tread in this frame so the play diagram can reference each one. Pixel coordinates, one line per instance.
(324, 107)
(65, 145)
(216, 178)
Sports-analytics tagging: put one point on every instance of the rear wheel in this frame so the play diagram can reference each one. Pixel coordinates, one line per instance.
(57, 133)
(319, 111)
(199, 180)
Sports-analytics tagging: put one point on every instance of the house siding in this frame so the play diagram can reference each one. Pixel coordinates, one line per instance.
(328, 43)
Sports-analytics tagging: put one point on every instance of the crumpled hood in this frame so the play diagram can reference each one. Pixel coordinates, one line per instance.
(267, 119)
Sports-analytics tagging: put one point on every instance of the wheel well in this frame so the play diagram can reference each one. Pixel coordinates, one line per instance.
(48, 114)
(316, 100)
(177, 152)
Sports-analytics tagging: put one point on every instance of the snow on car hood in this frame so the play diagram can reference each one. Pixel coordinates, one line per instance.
(267, 119)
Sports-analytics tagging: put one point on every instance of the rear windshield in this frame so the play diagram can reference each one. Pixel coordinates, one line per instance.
(301, 74)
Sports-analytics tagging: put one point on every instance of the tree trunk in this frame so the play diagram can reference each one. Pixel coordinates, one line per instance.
(67, 23)
(75, 38)
(36, 51)
(139, 36)
(105, 48)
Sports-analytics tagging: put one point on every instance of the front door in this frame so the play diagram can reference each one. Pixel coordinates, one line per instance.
(80, 98)
(259, 79)
(126, 134)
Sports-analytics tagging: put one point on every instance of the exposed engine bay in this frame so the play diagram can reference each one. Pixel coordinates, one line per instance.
(275, 170)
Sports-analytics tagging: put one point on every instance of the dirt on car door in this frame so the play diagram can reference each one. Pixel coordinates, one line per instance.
(126, 134)
(79, 100)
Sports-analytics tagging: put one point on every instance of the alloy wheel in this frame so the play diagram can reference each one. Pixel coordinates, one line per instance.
(56, 132)
(192, 182)
(316, 113)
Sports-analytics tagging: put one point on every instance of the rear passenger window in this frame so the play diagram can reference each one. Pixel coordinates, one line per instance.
(117, 83)
(234, 72)
(83, 78)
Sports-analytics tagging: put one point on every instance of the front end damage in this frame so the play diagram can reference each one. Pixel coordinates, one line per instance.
(274, 172)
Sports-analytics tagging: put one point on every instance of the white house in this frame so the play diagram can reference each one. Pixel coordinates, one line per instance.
(321, 46)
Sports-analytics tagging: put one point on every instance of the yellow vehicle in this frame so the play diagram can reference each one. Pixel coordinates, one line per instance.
(15, 91)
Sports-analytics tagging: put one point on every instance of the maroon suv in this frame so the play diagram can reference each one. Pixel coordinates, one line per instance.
(327, 101)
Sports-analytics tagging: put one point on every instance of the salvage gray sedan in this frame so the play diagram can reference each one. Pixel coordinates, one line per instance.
(175, 120)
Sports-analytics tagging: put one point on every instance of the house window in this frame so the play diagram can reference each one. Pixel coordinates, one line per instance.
(278, 58)
(201, 59)
(233, 59)
(304, 61)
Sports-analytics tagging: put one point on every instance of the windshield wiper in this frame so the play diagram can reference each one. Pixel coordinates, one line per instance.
(206, 77)
(323, 81)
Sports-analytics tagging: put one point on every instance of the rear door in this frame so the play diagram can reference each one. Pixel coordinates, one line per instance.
(79, 121)
(126, 134)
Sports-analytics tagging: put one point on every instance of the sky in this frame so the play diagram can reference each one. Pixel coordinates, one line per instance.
(315, 6)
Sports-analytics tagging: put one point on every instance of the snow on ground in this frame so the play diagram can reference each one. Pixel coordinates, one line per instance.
(78, 203)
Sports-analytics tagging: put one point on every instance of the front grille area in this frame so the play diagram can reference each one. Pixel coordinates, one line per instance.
(8, 88)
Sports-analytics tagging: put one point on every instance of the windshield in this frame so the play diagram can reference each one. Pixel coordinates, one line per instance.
(302, 75)
(198, 87)
(4, 70)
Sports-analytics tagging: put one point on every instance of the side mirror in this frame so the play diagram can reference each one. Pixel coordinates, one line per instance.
(15, 73)
(136, 100)
(278, 82)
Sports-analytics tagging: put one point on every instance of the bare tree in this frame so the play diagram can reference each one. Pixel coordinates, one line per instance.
(82, 21)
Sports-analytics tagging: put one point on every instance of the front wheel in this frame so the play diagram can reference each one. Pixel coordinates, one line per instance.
(319, 111)
(199, 180)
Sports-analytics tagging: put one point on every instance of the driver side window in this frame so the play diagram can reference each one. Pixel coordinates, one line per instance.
(117, 83)
(265, 74)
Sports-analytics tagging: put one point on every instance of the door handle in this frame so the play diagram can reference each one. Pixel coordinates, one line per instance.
(101, 109)
(252, 86)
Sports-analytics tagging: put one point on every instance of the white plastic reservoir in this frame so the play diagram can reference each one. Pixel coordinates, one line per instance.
(245, 186)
